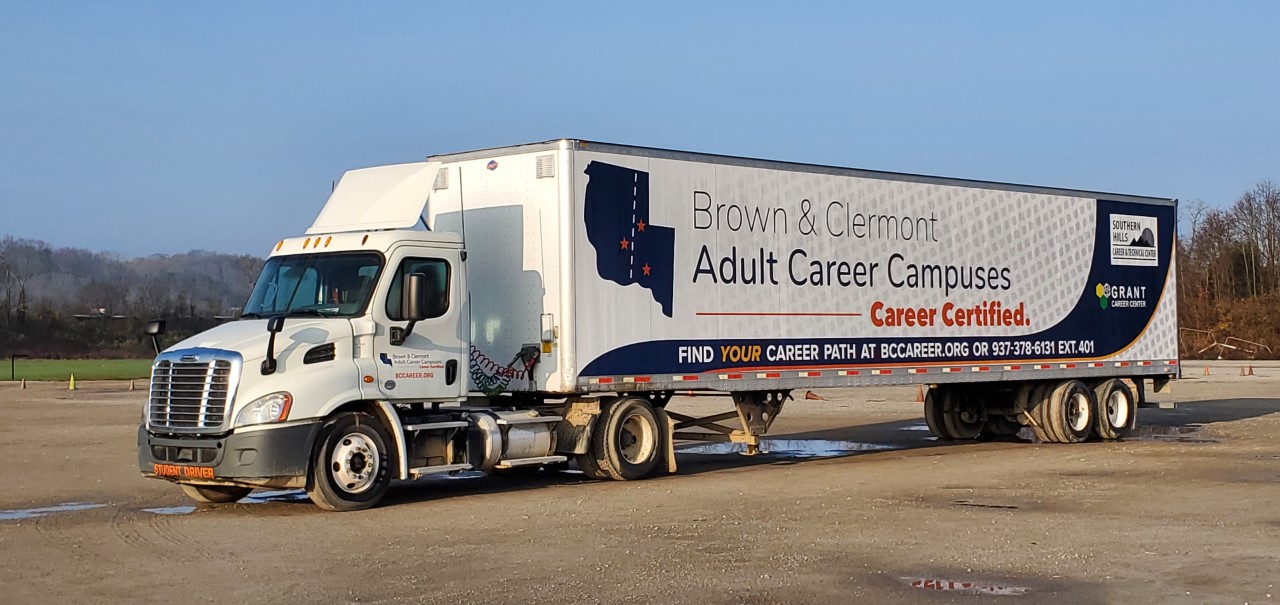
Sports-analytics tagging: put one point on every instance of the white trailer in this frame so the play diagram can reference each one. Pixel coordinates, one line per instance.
(526, 305)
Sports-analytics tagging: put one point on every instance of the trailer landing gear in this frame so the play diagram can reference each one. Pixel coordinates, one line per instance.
(755, 411)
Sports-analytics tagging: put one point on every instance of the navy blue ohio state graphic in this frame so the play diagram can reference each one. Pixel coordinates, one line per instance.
(629, 250)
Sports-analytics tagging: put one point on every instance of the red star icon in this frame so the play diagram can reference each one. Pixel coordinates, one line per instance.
(640, 225)
(646, 268)
(625, 244)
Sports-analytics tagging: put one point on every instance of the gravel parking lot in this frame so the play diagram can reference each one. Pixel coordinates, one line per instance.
(855, 502)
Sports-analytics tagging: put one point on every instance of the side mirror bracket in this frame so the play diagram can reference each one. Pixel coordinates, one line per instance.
(274, 326)
(154, 329)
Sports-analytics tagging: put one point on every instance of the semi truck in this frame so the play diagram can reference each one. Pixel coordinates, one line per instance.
(508, 309)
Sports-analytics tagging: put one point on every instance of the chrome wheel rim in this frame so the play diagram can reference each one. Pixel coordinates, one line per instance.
(355, 462)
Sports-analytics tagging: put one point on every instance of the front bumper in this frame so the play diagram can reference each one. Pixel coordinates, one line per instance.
(276, 457)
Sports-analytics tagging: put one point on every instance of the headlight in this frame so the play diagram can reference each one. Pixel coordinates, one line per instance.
(268, 408)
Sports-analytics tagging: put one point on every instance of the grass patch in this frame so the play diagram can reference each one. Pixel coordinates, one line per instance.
(84, 369)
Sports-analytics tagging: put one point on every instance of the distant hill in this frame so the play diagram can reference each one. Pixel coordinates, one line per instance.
(75, 302)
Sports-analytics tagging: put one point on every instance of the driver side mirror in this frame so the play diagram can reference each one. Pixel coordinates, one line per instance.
(419, 300)
(154, 329)
(414, 297)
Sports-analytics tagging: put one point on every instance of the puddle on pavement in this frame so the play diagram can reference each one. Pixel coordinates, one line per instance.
(964, 586)
(792, 448)
(282, 495)
(171, 510)
(915, 427)
(36, 513)
(1178, 434)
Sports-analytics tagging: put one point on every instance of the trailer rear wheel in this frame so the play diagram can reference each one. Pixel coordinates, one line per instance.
(933, 402)
(1037, 407)
(627, 441)
(951, 414)
(215, 494)
(1116, 409)
(1068, 411)
(352, 463)
(1000, 426)
(963, 415)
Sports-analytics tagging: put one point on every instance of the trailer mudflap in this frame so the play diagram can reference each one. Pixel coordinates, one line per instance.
(573, 434)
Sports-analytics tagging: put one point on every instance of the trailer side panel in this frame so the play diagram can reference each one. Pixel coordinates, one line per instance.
(711, 273)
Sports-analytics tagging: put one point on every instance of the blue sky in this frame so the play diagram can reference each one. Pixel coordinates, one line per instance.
(162, 127)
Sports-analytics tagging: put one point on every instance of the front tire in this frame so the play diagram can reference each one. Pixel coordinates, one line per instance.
(215, 494)
(351, 465)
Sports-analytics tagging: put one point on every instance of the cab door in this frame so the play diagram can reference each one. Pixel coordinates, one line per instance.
(428, 364)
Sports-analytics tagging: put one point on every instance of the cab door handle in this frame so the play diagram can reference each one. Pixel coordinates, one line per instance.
(450, 371)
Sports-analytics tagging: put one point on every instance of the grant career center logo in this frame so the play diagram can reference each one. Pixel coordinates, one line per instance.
(1131, 297)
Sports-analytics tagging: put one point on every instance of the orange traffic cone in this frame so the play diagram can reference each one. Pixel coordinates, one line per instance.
(1242, 370)
(814, 396)
(1206, 370)
(919, 393)
(1250, 371)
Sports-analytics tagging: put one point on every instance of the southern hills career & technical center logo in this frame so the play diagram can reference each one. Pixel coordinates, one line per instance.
(1131, 297)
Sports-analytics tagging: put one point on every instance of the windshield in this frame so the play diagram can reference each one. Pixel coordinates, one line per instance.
(336, 285)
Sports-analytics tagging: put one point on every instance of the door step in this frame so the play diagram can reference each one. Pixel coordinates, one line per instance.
(436, 426)
(529, 420)
(531, 461)
(436, 470)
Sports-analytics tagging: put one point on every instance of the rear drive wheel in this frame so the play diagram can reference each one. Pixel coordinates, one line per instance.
(627, 441)
(1069, 411)
(215, 494)
(1116, 409)
(351, 466)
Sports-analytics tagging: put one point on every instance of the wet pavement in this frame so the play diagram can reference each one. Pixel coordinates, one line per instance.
(35, 513)
(788, 448)
(965, 586)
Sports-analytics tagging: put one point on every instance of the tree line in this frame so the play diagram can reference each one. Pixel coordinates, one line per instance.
(1229, 276)
(70, 302)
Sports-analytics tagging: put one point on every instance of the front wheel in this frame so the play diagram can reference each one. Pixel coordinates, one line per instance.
(215, 494)
(351, 466)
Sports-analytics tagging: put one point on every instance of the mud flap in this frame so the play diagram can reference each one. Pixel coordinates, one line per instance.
(573, 435)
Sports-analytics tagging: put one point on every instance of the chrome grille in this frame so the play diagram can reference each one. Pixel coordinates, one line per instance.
(191, 393)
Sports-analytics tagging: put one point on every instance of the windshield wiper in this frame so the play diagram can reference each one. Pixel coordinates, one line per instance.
(310, 312)
(250, 316)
